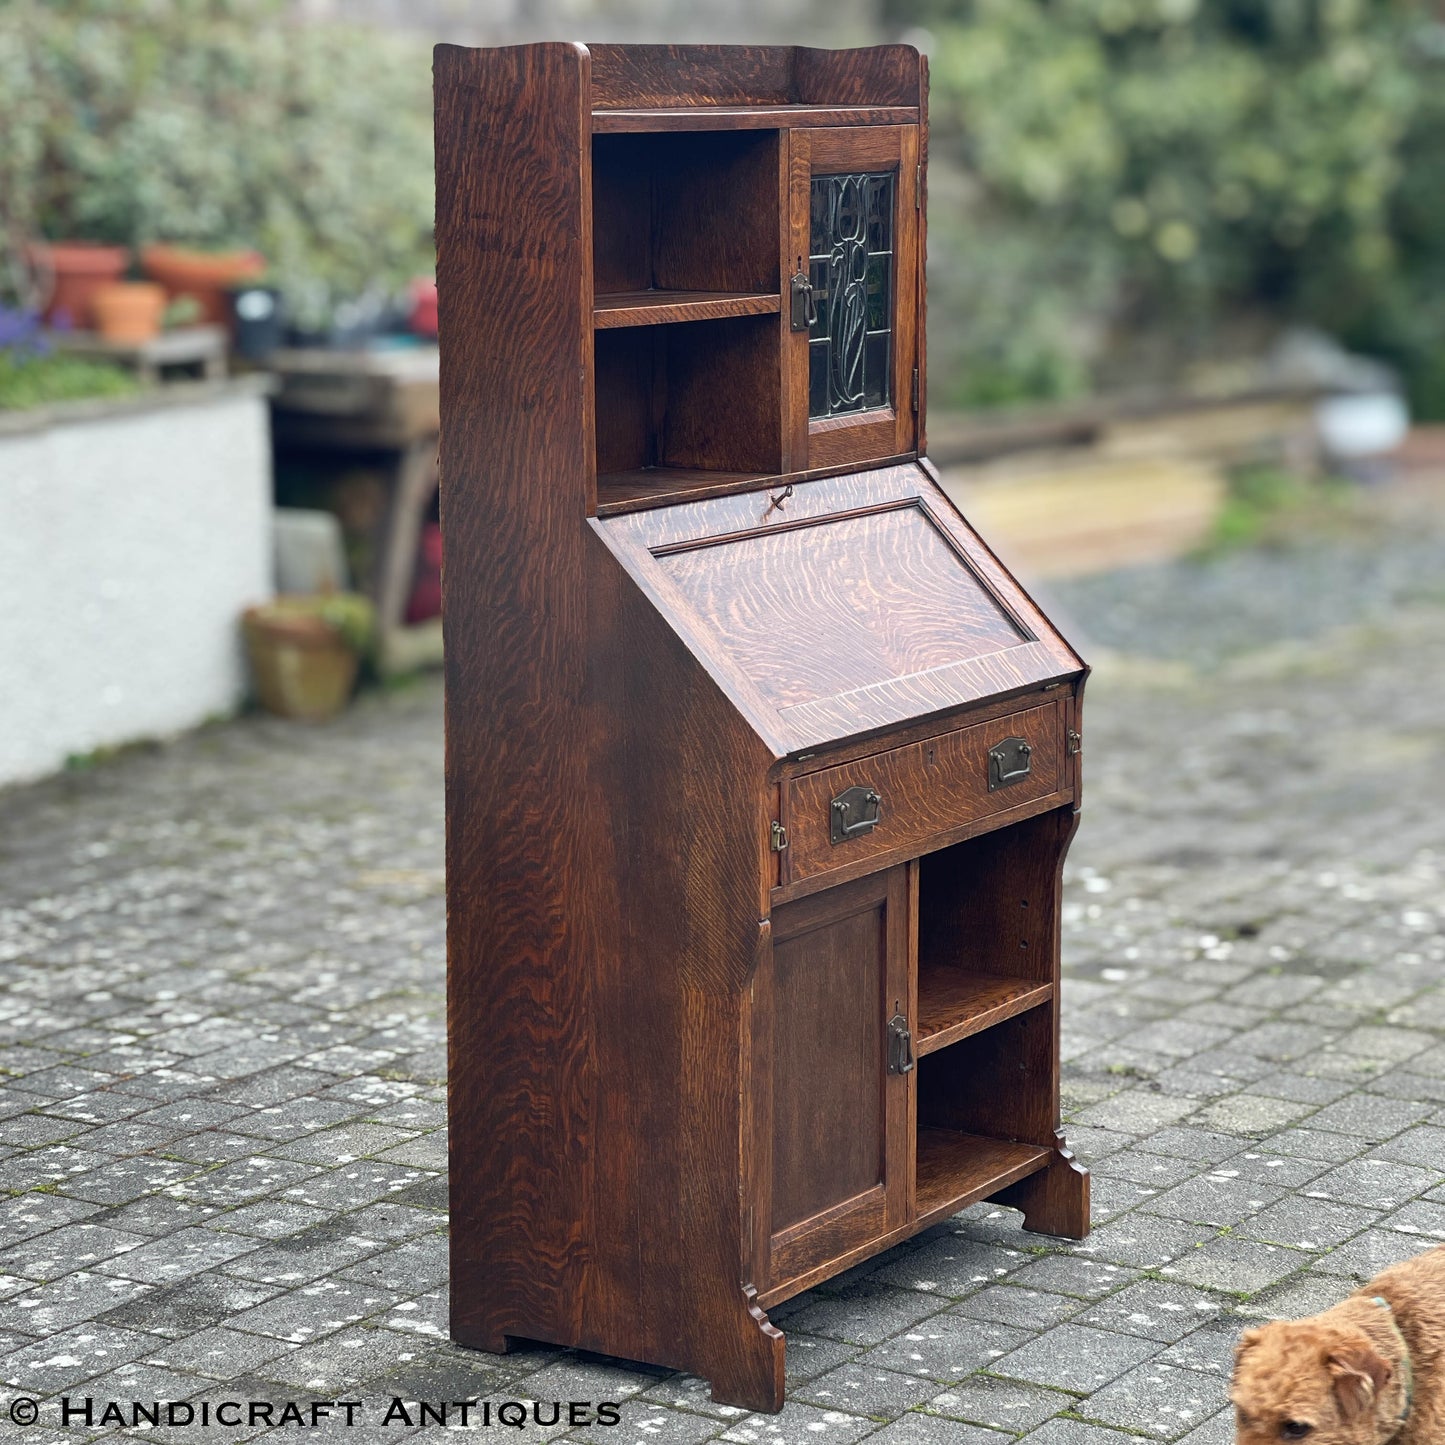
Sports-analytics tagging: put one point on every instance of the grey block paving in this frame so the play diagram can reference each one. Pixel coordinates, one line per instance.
(222, 1126)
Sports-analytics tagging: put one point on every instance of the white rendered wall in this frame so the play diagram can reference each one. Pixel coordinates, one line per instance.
(131, 537)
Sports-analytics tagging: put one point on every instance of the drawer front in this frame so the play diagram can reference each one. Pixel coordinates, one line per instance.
(906, 796)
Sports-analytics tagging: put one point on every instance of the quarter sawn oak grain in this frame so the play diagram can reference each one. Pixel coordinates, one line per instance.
(701, 1055)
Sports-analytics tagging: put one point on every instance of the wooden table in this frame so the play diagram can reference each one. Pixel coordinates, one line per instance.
(199, 347)
(384, 405)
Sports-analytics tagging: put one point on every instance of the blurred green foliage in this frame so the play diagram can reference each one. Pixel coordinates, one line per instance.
(1163, 167)
(1278, 506)
(218, 124)
(28, 380)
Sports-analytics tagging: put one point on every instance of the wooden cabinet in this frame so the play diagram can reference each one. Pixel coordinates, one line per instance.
(760, 768)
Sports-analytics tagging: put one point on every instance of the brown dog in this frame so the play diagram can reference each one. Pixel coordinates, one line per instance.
(1370, 1370)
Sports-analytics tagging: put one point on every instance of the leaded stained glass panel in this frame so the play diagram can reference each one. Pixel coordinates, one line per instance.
(850, 265)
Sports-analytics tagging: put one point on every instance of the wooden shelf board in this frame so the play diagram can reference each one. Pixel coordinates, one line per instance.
(657, 486)
(748, 117)
(952, 1004)
(659, 308)
(955, 1170)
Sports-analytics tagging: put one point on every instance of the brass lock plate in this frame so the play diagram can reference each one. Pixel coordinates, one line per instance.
(1009, 762)
(854, 813)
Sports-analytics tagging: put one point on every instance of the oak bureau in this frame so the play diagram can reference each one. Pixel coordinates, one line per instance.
(761, 769)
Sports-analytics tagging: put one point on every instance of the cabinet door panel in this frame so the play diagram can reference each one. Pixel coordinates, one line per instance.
(838, 1134)
(853, 220)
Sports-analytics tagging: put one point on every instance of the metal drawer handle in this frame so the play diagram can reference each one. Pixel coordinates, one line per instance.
(1009, 762)
(854, 812)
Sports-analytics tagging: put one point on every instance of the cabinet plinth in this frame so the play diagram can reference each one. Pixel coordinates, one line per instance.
(761, 770)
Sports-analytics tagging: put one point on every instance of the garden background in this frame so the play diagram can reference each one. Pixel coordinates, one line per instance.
(1122, 190)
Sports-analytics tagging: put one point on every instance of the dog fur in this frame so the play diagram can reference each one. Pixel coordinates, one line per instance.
(1342, 1374)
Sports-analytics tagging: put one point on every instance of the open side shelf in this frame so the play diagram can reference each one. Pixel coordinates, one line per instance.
(658, 308)
(956, 1169)
(952, 1004)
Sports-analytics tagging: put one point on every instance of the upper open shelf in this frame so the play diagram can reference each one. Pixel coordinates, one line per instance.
(657, 308)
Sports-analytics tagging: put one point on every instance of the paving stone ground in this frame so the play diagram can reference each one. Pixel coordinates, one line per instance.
(222, 1142)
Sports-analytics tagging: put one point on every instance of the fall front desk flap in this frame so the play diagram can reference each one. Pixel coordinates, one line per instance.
(848, 604)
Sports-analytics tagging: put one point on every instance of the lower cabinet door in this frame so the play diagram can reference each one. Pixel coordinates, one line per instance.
(840, 1056)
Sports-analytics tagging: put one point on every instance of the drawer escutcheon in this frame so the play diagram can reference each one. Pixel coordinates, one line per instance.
(1009, 762)
(854, 813)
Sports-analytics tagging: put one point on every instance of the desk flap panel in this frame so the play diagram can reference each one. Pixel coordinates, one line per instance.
(855, 602)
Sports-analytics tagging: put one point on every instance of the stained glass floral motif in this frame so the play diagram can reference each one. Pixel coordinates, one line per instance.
(850, 265)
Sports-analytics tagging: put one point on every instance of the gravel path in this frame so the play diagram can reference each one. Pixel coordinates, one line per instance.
(222, 1152)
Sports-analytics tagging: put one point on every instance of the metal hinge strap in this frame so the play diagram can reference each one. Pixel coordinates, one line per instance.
(918, 189)
(915, 391)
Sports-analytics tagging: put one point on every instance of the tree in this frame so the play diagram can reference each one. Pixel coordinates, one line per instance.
(1160, 166)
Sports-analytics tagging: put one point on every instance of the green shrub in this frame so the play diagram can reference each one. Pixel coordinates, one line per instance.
(27, 380)
(1161, 167)
(217, 124)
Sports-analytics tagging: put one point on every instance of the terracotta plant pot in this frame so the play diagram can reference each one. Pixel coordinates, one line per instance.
(129, 310)
(73, 271)
(201, 275)
(302, 667)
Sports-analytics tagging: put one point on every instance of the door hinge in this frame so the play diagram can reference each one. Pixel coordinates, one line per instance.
(918, 188)
(1076, 744)
(780, 837)
(915, 391)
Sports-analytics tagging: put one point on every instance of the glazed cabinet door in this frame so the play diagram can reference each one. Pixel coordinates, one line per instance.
(852, 350)
(840, 1069)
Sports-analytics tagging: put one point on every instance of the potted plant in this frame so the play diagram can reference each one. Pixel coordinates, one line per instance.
(226, 139)
(305, 650)
(128, 311)
(69, 273)
(205, 276)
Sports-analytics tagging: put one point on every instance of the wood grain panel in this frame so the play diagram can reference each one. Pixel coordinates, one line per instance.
(656, 76)
(735, 117)
(660, 308)
(814, 611)
(880, 75)
(952, 1004)
(956, 1169)
(810, 725)
(920, 438)
(926, 788)
(657, 390)
(828, 1068)
(722, 396)
(841, 1123)
(661, 76)
(686, 212)
(513, 216)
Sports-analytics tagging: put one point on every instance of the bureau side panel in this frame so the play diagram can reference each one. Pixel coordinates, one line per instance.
(525, 840)
(687, 779)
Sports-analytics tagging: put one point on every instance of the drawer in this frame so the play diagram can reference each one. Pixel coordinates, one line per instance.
(923, 790)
